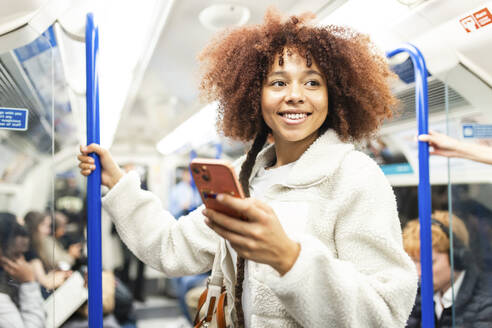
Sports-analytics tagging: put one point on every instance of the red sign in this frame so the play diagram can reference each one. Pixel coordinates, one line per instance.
(483, 17)
(469, 24)
(477, 20)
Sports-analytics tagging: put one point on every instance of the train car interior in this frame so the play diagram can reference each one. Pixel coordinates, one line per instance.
(153, 121)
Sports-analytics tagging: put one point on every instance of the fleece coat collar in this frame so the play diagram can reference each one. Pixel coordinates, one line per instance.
(327, 149)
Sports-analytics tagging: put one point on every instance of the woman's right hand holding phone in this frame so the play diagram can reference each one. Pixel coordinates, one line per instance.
(110, 171)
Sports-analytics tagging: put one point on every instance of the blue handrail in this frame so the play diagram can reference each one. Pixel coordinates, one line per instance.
(427, 289)
(94, 180)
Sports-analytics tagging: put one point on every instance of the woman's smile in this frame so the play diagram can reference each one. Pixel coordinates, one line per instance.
(294, 117)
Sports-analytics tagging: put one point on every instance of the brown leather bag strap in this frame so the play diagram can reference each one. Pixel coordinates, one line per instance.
(221, 321)
(210, 313)
(201, 301)
(198, 325)
(213, 291)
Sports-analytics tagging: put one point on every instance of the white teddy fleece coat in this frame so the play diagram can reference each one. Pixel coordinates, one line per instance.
(352, 270)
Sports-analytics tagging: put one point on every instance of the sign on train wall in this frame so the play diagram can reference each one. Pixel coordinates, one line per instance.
(13, 119)
(477, 131)
(477, 20)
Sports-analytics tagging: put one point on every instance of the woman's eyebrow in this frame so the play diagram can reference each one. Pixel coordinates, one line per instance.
(281, 73)
(284, 73)
(311, 71)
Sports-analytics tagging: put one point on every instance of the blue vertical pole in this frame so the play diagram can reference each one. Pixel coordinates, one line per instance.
(94, 180)
(427, 289)
(193, 155)
(218, 150)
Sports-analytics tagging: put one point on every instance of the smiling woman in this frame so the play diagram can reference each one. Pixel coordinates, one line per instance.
(310, 230)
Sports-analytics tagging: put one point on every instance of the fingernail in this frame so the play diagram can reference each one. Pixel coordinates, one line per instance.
(204, 212)
(207, 221)
(220, 197)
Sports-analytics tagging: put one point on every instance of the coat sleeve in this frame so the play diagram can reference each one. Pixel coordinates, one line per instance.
(174, 247)
(30, 313)
(31, 305)
(370, 281)
(416, 315)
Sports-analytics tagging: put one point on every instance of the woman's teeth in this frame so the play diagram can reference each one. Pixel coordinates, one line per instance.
(295, 116)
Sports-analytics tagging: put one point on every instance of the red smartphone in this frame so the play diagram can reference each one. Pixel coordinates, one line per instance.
(212, 177)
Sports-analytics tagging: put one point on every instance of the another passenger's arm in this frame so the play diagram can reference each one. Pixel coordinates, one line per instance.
(449, 147)
(31, 305)
(49, 280)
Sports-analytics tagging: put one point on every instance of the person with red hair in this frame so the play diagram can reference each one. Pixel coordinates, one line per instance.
(457, 280)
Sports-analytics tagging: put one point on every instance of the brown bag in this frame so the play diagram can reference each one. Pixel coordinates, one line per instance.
(212, 310)
(108, 290)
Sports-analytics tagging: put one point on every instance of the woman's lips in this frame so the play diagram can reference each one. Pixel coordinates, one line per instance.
(294, 118)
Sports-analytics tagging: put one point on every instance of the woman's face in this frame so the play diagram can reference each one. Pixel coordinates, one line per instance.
(294, 100)
(45, 226)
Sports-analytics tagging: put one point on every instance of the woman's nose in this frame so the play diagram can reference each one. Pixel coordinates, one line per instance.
(295, 94)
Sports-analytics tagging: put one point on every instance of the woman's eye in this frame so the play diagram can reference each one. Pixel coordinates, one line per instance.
(312, 83)
(278, 83)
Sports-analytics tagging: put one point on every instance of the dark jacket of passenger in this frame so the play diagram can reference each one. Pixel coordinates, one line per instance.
(473, 304)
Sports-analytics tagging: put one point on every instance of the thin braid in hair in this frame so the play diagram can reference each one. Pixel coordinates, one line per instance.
(308, 60)
(244, 175)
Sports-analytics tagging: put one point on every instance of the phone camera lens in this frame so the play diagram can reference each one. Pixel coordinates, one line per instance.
(205, 177)
(196, 170)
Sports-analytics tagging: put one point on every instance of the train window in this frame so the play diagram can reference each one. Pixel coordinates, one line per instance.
(37, 256)
(26, 180)
(470, 252)
(461, 219)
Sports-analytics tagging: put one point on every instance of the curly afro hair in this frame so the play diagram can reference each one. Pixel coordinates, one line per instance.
(235, 64)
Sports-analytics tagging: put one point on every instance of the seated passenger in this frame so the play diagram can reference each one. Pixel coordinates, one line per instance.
(21, 303)
(472, 289)
(47, 274)
(80, 319)
(54, 250)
